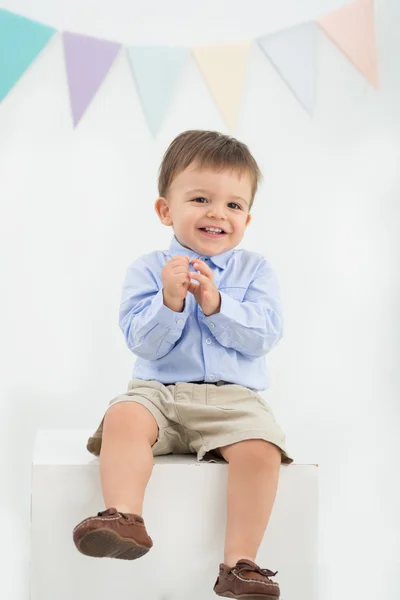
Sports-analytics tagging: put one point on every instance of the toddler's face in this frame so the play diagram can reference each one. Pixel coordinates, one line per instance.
(200, 198)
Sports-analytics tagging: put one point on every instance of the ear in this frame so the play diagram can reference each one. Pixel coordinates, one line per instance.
(248, 219)
(162, 209)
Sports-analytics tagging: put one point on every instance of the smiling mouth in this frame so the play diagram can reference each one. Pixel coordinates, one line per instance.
(217, 232)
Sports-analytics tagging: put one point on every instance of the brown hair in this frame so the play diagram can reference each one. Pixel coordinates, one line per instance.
(208, 149)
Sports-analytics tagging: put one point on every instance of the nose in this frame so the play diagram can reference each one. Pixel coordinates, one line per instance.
(216, 210)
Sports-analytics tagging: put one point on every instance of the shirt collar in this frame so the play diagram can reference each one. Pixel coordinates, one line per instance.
(219, 259)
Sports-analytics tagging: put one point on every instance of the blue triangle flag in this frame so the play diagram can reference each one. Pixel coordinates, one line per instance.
(21, 40)
(156, 70)
(293, 53)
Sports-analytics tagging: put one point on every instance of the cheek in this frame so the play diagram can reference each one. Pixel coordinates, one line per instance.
(240, 223)
(190, 216)
(184, 217)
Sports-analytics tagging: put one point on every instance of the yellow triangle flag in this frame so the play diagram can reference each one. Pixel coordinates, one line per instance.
(351, 28)
(223, 67)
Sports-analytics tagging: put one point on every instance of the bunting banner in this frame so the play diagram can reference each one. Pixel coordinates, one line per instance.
(87, 61)
(223, 68)
(21, 40)
(157, 70)
(293, 53)
(351, 28)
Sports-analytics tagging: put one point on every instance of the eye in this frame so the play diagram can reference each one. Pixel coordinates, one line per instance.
(236, 205)
(199, 199)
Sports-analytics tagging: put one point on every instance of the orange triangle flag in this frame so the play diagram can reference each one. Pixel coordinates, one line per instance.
(351, 28)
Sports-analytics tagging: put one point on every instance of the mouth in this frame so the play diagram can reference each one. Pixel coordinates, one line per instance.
(212, 232)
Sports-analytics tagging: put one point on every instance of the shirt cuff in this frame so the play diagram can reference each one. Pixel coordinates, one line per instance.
(227, 314)
(165, 316)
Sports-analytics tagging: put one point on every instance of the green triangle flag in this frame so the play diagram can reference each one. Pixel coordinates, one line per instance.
(156, 70)
(21, 40)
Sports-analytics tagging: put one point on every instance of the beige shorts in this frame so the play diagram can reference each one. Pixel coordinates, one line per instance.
(199, 418)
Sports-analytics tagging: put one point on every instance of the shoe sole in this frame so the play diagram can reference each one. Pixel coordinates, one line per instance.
(105, 543)
(249, 596)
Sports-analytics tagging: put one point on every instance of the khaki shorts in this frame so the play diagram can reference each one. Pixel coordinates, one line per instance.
(199, 418)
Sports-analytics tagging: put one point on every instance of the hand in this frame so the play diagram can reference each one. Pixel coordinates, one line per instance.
(176, 280)
(205, 292)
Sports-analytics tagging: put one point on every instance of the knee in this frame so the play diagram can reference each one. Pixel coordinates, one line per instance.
(251, 452)
(131, 418)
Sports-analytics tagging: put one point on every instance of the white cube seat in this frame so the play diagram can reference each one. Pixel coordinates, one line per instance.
(184, 511)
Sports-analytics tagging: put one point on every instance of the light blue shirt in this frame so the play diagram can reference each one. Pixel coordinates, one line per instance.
(189, 346)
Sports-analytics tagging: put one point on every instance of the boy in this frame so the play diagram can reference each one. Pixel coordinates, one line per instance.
(200, 317)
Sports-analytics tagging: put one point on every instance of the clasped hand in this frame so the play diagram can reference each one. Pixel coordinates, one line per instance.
(177, 283)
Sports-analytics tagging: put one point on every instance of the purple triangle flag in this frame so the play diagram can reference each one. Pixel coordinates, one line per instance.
(88, 61)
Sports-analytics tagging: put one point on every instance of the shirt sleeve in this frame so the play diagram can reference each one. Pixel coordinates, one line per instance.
(150, 328)
(254, 325)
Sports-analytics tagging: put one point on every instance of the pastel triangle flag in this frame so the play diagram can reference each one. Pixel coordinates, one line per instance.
(351, 28)
(88, 61)
(156, 70)
(293, 52)
(21, 40)
(224, 68)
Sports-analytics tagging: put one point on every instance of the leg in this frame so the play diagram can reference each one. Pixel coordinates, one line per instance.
(126, 458)
(254, 467)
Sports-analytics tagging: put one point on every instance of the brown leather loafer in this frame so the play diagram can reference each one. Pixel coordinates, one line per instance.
(246, 580)
(112, 534)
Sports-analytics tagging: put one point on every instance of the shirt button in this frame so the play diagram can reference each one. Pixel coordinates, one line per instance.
(180, 321)
(212, 376)
(208, 341)
(211, 325)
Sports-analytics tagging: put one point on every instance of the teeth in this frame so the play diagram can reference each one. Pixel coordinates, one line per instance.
(213, 229)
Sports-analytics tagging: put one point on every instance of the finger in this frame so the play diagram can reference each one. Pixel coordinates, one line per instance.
(201, 266)
(179, 262)
(200, 278)
(199, 269)
(193, 287)
(176, 269)
(180, 257)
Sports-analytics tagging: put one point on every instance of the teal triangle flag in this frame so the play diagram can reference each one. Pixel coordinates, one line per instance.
(293, 53)
(21, 40)
(156, 70)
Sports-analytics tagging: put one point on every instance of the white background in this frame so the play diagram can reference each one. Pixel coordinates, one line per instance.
(77, 209)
